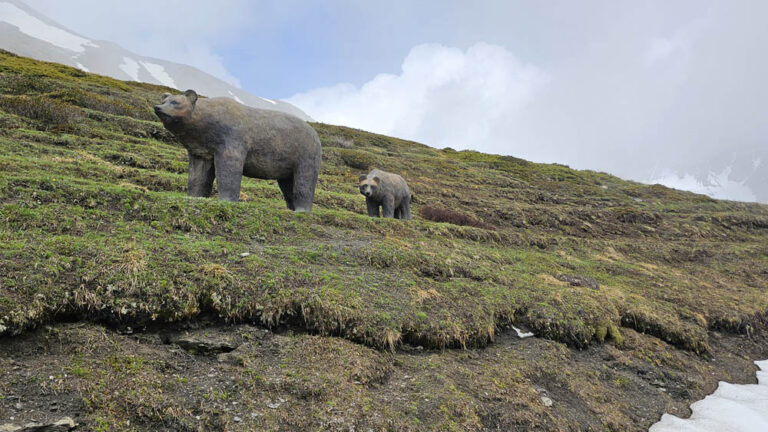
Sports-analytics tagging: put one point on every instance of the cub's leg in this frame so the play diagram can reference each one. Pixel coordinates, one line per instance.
(201, 174)
(388, 207)
(286, 186)
(373, 207)
(228, 162)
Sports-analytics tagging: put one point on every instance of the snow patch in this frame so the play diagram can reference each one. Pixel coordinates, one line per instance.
(521, 334)
(717, 185)
(130, 67)
(158, 72)
(234, 96)
(731, 408)
(268, 100)
(82, 68)
(37, 29)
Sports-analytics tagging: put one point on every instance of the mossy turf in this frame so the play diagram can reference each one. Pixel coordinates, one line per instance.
(95, 224)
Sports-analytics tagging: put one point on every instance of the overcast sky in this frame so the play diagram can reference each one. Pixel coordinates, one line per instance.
(648, 90)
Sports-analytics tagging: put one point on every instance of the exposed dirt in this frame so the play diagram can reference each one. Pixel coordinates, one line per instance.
(255, 379)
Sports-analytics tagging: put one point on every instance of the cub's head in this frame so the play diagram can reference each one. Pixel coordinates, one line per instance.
(174, 108)
(368, 187)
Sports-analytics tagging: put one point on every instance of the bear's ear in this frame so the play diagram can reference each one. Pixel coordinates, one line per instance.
(363, 177)
(191, 95)
(164, 97)
(376, 179)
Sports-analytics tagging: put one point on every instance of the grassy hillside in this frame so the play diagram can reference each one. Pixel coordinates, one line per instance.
(386, 316)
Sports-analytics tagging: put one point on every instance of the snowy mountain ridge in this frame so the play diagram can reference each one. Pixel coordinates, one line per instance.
(28, 33)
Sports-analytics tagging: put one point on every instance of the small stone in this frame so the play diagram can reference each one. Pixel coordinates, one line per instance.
(237, 419)
(579, 281)
(546, 401)
(18, 406)
(274, 405)
(245, 254)
(202, 344)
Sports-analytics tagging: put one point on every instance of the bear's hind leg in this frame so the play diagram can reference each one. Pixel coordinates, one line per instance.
(399, 212)
(405, 208)
(304, 182)
(286, 186)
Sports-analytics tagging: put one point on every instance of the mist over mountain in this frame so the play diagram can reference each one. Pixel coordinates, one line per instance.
(27, 32)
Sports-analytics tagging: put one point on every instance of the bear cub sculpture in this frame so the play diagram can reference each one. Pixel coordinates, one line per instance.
(227, 140)
(388, 191)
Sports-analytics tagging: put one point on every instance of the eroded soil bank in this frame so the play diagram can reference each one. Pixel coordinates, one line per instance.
(233, 378)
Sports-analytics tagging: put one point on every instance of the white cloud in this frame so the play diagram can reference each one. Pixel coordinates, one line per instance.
(443, 96)
(201, 56)
(680, 43)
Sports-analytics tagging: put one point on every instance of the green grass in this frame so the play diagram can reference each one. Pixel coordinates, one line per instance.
(95, 224)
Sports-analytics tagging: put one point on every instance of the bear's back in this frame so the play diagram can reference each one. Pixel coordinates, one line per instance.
(219, 114)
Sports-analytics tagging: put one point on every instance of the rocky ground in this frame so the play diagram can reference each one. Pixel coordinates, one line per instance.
(215, 377)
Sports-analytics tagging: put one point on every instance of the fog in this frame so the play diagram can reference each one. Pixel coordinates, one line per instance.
(651, 91)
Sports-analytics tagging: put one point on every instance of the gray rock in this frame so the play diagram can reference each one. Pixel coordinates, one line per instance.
(63, 425)
(200, 343)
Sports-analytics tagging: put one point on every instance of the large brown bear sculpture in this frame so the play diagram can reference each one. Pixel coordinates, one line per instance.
(228, 140)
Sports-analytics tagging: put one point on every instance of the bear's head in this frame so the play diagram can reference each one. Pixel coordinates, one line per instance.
(369, 186)
(174, 109)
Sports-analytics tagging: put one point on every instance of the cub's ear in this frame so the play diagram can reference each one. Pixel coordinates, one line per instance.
(165, 96)
(363, 177)
(191, 95)
(376, 179)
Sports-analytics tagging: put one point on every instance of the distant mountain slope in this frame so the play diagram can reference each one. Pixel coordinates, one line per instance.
(29, 33)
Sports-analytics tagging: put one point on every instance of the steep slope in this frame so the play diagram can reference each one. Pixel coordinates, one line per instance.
(640, 297)
(26, 32)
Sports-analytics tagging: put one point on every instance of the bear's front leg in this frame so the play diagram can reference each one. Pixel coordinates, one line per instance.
(373, 207)
(228, 161)
(201, 174)
(388, 207)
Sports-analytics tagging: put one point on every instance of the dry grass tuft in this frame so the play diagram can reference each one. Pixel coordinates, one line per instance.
(214, 270)
(436, 214)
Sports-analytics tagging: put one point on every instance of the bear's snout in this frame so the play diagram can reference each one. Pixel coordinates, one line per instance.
(158, 109)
